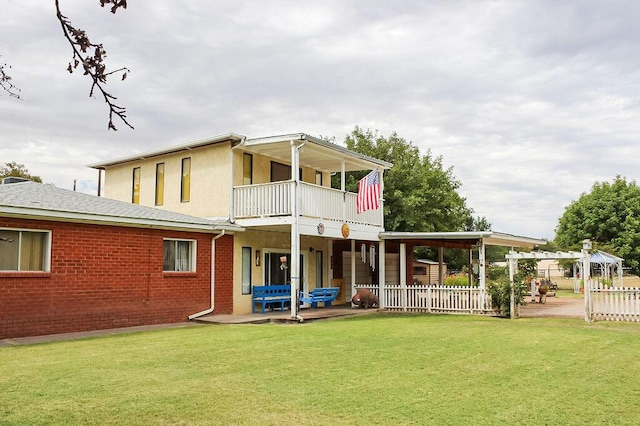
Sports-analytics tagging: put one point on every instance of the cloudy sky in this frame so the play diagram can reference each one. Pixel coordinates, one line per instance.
(530, 102)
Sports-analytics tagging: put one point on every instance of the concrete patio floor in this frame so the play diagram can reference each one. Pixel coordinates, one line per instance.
(307, 314)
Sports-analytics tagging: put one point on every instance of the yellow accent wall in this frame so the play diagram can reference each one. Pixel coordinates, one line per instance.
(274, 241)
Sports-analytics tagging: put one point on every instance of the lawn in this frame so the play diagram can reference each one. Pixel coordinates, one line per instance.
(380, 369)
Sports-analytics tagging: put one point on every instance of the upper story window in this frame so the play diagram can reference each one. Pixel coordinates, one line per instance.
(280, 172)
(319, 178)
(179, 256)
(185, 184)
(247, 169)
(159, 184)
(135, 187)
(24, 250)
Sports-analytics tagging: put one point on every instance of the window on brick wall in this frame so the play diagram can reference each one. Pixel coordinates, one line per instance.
(22, 250)
(179, 256)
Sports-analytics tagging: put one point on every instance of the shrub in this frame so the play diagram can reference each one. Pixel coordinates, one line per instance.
(496, 272)
(459, 280)
(500, 293)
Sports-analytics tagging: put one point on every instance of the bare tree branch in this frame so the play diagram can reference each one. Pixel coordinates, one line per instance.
(91, 57)
(6, 84)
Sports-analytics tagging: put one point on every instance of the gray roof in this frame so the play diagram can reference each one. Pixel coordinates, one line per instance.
(36, 200)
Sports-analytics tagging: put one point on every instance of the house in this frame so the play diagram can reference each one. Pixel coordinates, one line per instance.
(73, 262)
(277, 188)
(299, 230)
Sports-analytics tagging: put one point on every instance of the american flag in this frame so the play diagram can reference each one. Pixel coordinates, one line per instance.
(368, 192)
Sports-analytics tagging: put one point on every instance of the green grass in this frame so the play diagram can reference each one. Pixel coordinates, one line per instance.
(381, 369)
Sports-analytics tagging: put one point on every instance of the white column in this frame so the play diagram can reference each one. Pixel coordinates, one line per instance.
(512, 302)
(381, 201)
(403, 274)
(295, 232)
(482, 279)
(382, 275)
(586, 276)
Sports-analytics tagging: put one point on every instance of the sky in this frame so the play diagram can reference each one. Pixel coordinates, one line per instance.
(529, 102)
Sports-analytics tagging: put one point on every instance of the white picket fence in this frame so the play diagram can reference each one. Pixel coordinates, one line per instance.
(614, 303)
(433, 299)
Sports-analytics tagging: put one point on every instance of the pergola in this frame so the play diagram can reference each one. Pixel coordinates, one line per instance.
(582, 257)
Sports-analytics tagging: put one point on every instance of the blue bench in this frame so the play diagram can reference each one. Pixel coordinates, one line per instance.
(326, 295)
(274, 294)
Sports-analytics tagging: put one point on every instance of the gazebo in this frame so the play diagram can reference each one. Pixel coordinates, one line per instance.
(608, 265)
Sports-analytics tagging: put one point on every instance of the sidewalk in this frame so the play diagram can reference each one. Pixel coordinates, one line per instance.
(93, 333)
(308, 314)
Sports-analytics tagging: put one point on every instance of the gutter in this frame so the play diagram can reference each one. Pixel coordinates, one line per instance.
(213, 262)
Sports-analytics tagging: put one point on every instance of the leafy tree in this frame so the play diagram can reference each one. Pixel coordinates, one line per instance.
(420, 195)
(17, 170)
(87, 55)
(609, 216)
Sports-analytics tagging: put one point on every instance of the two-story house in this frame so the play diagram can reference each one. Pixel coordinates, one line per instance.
(277, 188)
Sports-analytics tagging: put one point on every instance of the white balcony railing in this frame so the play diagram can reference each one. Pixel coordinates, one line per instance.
(274, 199)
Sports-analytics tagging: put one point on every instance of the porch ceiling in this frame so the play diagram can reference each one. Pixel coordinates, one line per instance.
(316, 153)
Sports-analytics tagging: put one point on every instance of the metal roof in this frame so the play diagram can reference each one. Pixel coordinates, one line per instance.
(465, 238)
(605, 258)
(39, 201)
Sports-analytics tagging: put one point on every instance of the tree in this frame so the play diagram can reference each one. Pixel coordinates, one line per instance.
(17, 170)
(5, 82)
(609, 216)
(420, 195)
(88, 55)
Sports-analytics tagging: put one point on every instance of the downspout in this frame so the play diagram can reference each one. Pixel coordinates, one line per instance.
(213, 269)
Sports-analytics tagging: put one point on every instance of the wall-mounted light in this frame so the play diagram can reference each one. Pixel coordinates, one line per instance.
(283, 263)
(311, 249)
(257, 257)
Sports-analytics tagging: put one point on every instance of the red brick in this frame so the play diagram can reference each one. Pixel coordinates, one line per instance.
(107, 276)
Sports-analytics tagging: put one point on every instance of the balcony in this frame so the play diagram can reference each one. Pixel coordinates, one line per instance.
(272, 200)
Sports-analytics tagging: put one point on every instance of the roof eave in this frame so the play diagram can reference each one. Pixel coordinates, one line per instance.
(40, 214)
(169, 150)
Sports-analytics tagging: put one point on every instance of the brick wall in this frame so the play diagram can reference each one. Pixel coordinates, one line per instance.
(109, 276)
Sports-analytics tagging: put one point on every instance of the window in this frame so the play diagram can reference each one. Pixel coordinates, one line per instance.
(319, 269)
(246, 270)
(159, 184)
(135, 189)
(247, 169)
(280, 172)
(24, 250)
(319, 178)
(185, 187)
(179, 256)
